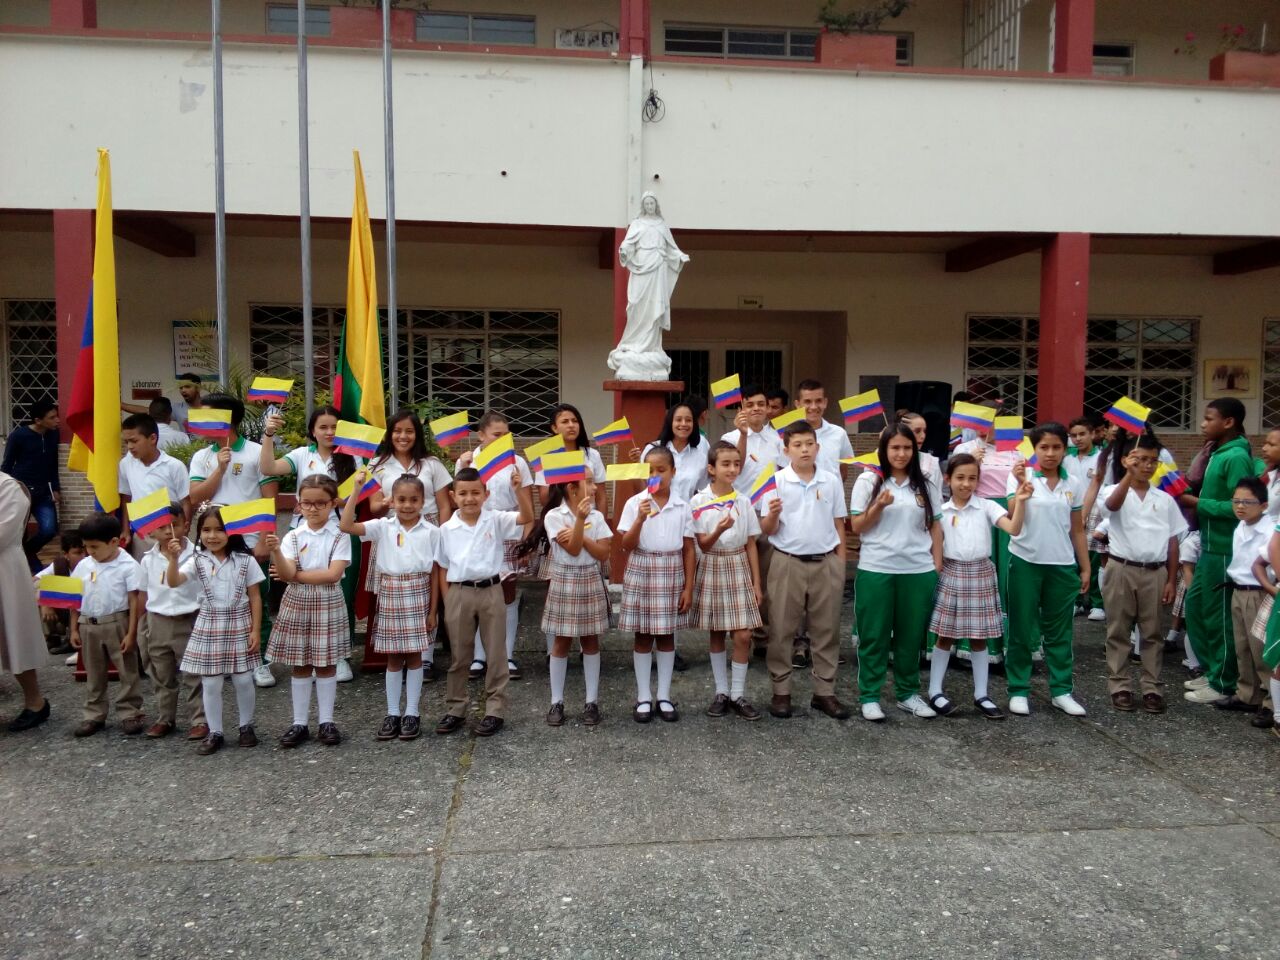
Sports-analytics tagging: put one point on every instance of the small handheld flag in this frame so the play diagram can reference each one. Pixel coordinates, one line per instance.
(1008, 433)
(861, 406)
(626, 471)
(973, 416)
(784, 420)
(357, 439)
(654, 484)
(1170, 479)
(269, 390)
(252, 516)
(1128, 414)
(767, 482)
(1027, 451)
(64, 593)
(497, 455)
(347, 487)
(719, 503)
(208, 422)
(449, 430)
(535, 451)
(727, 391)
(953, 441)
(150, 513)
(564, 467)
(615, 432)
(869, 461)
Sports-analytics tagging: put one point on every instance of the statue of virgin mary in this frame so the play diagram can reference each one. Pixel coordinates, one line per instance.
(653, 261)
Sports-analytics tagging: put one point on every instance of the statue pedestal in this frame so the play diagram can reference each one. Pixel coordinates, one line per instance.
(644, 404)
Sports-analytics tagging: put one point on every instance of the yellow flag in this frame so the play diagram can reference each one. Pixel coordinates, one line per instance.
(358, 389)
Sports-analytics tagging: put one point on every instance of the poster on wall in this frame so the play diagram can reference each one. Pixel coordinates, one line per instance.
(1231, 378)
(193, 349)
(579, 38)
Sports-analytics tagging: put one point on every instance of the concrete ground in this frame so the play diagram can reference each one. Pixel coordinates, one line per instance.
(1118, 835)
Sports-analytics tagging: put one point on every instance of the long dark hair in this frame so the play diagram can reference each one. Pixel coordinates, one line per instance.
(386, 451)
(667, 434)
(344, 465)
(584, 438)
(915, 476)
(1112, 456)
(538, 535)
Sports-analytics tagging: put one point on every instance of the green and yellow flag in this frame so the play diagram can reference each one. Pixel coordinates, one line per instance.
(357, 389)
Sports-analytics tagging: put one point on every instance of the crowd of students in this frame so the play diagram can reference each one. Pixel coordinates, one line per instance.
(988, 556)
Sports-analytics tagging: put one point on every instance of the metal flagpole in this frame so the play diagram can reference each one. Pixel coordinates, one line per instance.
(219, 198)
(304, 213)
(393, 345)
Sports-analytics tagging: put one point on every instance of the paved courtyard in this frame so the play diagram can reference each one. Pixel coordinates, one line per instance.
(1111, 836)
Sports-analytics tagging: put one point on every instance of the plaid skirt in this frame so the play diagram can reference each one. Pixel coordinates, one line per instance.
(219, 642)
(722, 594)
(651, 593)
(511, 563)
(404, 603)
(1180, 598)
(1259, 629)
(310, 629)
(372, 574)
(577, 603)
(966, 604)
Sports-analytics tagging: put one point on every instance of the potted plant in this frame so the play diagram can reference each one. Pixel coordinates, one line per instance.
(362, 20)
(849, 37)
(1238, 57)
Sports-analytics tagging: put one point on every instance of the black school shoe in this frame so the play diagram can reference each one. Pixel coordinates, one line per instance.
(410, 727)
(488, 726)
(329, 734)
(390, 728)
(1264, 719)
(987, 707)
(295, 736)
(29, 719)
(449, 724)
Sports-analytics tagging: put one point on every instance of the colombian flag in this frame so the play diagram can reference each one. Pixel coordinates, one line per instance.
(348, 486)
(869, 461)
(64, 593)
(564, 467)
(150, 513)
(495, 457)
(614, 432)
(269, 390)
(727, 391)
(1170, 479)
(784, 420)
(1008, 433)
(252, 516)
(1028, 452)
(1128, 414)
(357, 439)
(208, 422)
(95, 442)
(861, 406)
(357, 388)
(765, 483)
(450, 429)
(972, 415)
(718, 503)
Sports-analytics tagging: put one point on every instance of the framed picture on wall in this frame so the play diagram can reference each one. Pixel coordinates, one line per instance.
(1231, 378)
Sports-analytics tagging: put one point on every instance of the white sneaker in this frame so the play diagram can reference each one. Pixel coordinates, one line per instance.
(263, 677)
(1195, 683)
(872, 712)
(1037, 655)
(1097, 615)
(344, 671)
(1205, 694)
(916, 706)
(71, 660)
(854, 638)
(1068, 705)
(1020, 706)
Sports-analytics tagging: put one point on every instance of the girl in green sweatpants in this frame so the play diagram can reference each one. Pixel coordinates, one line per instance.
(1048, 569)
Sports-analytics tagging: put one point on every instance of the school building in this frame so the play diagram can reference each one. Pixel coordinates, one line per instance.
(1053, 202)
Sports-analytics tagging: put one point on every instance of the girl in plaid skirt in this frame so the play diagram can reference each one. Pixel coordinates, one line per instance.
(657, 590)
(224, 639)
(726, 596)
(966, 604)
(311, 631)
(577, 605)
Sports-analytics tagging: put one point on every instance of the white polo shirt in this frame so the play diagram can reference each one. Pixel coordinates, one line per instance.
(833, 443)
(137, 479)
(931, 467)
(899, 541)
(170, 436)
(415, 550)
(664, 531)
(594, 464)
(807, 524)
(309, 549)
(763, 448)
(966, 531)
(691, 467)
(475, 552)
(563, 518)
(1046, 524)
(307, 462)
(242, 481)
(107, 585)
(994, 466)
(430, 471)
(163, 599)
(1245, 544)
(1273, 493)
(1189, 548)
(223, 575)
(501, 494)
(1141, 528)
(746, 523)
(1086, 466)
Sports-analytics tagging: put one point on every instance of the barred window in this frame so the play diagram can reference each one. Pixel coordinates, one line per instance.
(275, 340)
(283, 19)
(763, 43)
(496, 28)
(30, 368)
(1271, 372)
(1001, 358)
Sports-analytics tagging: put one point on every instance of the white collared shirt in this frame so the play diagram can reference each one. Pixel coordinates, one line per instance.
(242, 481)
(1141, 528)
(430, 471)
(1273, 493)
(763, 448)
(475, 552)
(691, 467)
(562, 518)
(137, 479)
(807, 523)
(1086, 466)
(163, 599)
(307, 462)
(966, 531)
(994, 466)
(170, 436)
(415, 550)
(833, 443)
(1046, 523)
(1189, 548)
(107, 585)
(1245, 543)
(664, 531)
(593, 462)
(899, 541)
(931, 468)
(746, 523)
(310, 549)
(502, 496)
(223, 576)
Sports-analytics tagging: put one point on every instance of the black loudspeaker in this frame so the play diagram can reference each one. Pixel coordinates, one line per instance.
(932, 400)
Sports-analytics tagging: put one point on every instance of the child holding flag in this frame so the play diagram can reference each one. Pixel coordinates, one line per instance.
(224, 639)
(680, 435)
(833, 440)
(726, 594)
(145, 468)
(566, 422)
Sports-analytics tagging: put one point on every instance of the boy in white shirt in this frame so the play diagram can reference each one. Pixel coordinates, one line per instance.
(57, 622)
(1252, 534)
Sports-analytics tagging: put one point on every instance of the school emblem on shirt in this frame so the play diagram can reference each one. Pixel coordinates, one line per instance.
(236, 468)
(919, 500)
(1070, 495)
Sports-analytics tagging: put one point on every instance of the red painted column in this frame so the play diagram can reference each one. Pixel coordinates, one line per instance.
(1064, 311)
(72, 284)
(634, 37)
(73, 13)
(1073, 37)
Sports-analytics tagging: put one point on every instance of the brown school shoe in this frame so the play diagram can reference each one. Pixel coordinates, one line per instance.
(488, 726)
(449, 724)
(410, 727)
(1152, 703)
(210, 744)
(719, 706)
(329, 734)
(390, 728)
(161, 728)
(295, 736)
(198, 732)
(780, 706)
(134, 725)
(1264, 719)
(555, 716)
(247, 737)
(89, 728)
(1122, 700)
(744, 709)
(830, 706)
(591, 715)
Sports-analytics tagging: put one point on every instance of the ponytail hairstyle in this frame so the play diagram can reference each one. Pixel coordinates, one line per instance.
(915, 476)
(344, 465)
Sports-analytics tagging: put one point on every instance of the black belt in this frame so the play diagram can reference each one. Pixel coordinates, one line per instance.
(806, 557)
(1232, 585)
(1134, 563)
(105, 619)
(477, 584)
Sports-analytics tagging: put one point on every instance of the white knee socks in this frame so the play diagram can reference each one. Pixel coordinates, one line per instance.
(559, 667)
(666, 665)
(1192, 661)
(301, 690)
(1275, 698)
(395, 682)
(719, 670)
(513, 623)
(591, 675)
(245, 696)
(211, 693)
(643, 662)
(412, 692)
(938, 661)
(980, 661)
(739, 685)
(326, 694)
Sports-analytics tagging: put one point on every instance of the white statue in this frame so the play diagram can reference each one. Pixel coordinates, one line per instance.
(653, 260)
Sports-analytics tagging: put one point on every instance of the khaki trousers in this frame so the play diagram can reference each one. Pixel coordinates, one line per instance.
(98, 643)
(797, 587)
(166, 642)
(467, 609)
(1131, 596)
(1254, 686)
